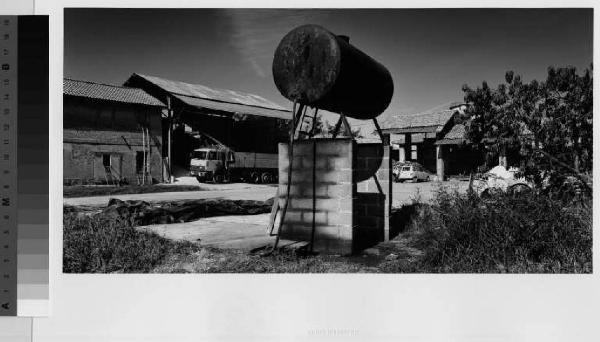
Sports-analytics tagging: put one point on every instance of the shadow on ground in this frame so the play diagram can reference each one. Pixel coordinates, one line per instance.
(401, 218)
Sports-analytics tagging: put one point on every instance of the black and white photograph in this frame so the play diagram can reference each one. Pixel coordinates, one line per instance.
(191, 171)
(398, 141)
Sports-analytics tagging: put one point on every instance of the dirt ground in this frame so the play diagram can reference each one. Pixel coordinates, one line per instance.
(403, 193)
(233, 191)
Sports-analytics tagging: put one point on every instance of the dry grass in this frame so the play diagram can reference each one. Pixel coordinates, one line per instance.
(92, 244)
(212, 260)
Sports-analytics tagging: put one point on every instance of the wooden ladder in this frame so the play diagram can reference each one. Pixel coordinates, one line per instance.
(310, 122)
(275, 210)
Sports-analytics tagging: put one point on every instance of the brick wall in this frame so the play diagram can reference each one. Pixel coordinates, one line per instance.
(333, 189)
(92, 129)
(350, 213)
(82, 161)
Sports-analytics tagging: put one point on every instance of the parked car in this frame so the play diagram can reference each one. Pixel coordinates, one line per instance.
(397, 167)
(411, 171)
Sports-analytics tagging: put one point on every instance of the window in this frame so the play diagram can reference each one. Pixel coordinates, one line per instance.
(106, 159)
(413, 152)
(212, 155)
(231, 157)
(199, 155)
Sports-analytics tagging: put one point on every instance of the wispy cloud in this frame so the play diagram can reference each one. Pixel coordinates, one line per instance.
(255, 33)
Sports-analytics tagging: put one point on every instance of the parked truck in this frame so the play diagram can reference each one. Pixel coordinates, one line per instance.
(221, 164)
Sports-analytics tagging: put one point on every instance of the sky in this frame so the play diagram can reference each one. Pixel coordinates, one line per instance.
(430, 53)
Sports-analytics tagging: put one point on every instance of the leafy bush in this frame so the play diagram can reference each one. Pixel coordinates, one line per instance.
(548, 124)
(524, 233)
(100, 245)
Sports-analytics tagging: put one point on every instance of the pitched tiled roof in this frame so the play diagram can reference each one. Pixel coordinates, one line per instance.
(429, 120)
(201, 96)
(457, 132)
(108, 92)
(455, 136)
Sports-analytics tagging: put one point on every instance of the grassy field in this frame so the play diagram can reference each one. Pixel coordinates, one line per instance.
(104, 190)
(455, 233)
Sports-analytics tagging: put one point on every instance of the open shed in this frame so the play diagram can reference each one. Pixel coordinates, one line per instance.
(198, 115)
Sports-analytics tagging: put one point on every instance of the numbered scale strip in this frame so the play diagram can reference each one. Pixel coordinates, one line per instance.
(24, 166)
(8, 166)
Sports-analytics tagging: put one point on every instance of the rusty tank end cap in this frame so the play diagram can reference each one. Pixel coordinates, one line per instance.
(306, 63)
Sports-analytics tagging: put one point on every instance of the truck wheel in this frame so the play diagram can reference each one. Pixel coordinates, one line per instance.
(255, 177)
(218, 178)
(266, 178)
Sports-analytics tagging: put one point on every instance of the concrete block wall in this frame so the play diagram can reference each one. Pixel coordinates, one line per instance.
(373, 201)
(349, 210)
(334, 191)
(369, 219)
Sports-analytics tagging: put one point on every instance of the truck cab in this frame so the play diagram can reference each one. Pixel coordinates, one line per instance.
(221, 164)
(210, 163)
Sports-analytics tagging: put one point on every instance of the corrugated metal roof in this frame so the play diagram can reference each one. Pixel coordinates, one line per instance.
(220, 99)
(434, 118)
(109, 92)
(234, 107)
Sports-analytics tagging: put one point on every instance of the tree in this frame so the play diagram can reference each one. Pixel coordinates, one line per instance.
(354, 133)
(549, 122)
(325, 129)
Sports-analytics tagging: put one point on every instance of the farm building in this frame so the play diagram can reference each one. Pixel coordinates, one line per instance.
(112, 134)
(200, 116)
(432, 139)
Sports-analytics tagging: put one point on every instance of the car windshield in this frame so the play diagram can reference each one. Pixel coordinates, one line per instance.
(199, 155)
(406, 168)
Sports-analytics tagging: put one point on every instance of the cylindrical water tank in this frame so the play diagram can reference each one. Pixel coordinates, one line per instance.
(318, 68)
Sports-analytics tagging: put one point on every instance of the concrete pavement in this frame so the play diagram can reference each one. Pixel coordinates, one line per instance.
(244, 232)
(404, 193)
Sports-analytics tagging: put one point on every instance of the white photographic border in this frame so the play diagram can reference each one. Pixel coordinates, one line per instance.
(299, 307)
